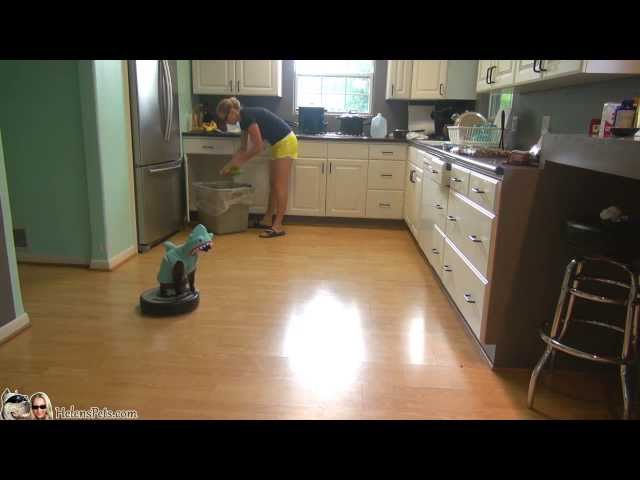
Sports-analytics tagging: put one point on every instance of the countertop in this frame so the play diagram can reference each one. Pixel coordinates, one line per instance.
(301, 136)
(490, 166)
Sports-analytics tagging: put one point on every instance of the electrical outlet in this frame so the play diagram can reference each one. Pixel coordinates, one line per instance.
(546, 122)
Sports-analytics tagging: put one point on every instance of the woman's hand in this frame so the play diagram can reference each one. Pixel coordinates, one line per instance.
(232, 167)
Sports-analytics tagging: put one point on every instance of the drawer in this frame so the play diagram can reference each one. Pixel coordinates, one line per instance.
(465, 287)
(348, 150)
(470, 230)
(434, 250)
(436, 170)
(311, 149)
(387, 151)
(209, 146)
(384, 204)
(386, 175)
(459, 179)
(482, 190)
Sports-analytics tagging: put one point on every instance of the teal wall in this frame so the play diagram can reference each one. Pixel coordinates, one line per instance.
(107, 140)
(40, 117)
(7, 233)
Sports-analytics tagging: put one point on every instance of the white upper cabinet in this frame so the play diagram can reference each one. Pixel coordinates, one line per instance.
(429, 79)
(259, 77)
(538, 74)
(526, 71)
(399, 79)
(558, 68)
(213, 77)
(482, 82)
(503, 73)
(237, 77)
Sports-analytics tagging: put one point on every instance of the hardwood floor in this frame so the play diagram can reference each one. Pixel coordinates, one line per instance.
(328, 322)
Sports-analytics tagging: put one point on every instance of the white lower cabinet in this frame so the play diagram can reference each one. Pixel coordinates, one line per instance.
(413, 198)
(346, 188)
(465, 287)
(307, 187)
(385, 204)
(434, 249)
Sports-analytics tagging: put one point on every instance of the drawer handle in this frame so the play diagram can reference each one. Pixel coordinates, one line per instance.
(447, 268)
(455, 179)
(468, 299)
(451, 218)
(474, 238)
(437, 206)
(477, 190)
(388, 153)
(208, 146)
(387, 205)
(434, 171)
(386, 175)
(435, 251)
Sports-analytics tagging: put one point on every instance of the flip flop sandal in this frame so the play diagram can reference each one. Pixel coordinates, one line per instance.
(271, 233)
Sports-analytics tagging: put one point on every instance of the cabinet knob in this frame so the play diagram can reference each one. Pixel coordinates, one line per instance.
(434, 171)
(477, 190)
(435, 251)
(468, 299)
(451, 218)
(474, 238)
(437, 206)
(447, 268)
(455, 179)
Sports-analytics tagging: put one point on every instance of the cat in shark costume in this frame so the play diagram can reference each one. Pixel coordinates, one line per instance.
(177, 291)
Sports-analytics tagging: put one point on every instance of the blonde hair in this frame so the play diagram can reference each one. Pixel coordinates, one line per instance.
(47, 402)
(225, 105)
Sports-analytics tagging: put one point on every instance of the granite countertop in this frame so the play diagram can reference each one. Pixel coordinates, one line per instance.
(301, 136)
(490, 166)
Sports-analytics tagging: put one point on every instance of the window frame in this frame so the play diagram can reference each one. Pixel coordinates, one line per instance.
(370, 76)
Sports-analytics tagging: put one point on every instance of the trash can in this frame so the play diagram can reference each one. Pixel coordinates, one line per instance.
(223, 207)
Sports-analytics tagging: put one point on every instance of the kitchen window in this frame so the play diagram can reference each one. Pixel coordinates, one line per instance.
(337, 85)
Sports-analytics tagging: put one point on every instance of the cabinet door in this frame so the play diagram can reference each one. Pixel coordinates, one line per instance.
(347, 188)
(503, 74)
(559, 68)
(211, 77)
(525, 73)
(256, 172)
(307, 187)
(429, 79)
(399, 79)
(417, 200)
(483, 68)
(259, 77)
(409, 194)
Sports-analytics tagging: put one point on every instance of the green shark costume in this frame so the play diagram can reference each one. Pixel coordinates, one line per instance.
(179, 262)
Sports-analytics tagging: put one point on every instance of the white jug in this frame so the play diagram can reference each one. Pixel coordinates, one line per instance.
(378, 126)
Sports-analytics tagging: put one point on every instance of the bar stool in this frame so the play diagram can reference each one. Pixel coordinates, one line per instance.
(575, 277)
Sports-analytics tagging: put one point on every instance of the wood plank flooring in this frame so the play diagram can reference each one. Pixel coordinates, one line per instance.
(328, 322)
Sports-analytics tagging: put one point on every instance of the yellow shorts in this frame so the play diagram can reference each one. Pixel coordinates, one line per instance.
(287, 147)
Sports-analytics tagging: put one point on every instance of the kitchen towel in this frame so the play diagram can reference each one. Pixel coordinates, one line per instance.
(420, 118)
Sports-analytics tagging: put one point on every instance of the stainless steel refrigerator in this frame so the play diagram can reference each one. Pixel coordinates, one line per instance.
(159, 168)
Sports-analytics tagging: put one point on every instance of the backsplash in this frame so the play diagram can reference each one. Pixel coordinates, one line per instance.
(571, 108)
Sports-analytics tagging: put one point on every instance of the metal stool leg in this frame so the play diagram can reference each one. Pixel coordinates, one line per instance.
(624, 379)
(535, 374)
(554, 329)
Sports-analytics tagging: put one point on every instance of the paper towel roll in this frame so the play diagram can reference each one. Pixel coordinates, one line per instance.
(420, 118)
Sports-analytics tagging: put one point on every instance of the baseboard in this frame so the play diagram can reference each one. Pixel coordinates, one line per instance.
(14, 327)
(114, 262)
(23, 257)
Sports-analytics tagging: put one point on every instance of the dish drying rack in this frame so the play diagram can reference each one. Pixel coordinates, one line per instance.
(478, 136)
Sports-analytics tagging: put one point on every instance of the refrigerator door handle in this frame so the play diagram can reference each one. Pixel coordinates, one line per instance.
(158, 170)
(165, 87)
(169, 99)
(162, 99)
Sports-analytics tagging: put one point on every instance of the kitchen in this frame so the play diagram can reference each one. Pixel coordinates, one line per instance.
(468, 212)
